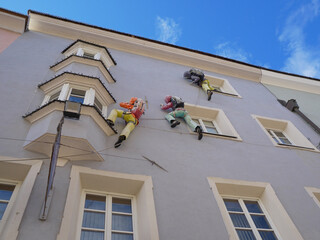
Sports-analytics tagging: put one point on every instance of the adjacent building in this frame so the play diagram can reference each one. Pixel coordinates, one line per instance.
(253, 175)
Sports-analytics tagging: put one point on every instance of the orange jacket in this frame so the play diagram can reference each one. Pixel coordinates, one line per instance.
(130, 104)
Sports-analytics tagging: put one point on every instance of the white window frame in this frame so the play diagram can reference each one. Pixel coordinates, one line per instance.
(247, 214)
(268, 200)
(204, 128)
(108, 212)
(6, 214)
(274, 135)
(78, 88)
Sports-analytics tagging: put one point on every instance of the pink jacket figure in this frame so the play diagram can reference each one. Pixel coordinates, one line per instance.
(177, 105)
(136, 108)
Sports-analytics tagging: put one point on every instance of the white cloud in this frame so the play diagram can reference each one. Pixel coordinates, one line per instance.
(231, 50)
(303, 59)
(168, 30)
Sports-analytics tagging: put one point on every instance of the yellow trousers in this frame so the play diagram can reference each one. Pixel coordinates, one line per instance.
(206, 86)
(128, 118)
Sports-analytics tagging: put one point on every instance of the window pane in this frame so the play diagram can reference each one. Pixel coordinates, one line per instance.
(285, 141)
(76, 99)
(273, 137)
(95, 202)
(212, 130)
(88, 55)
(6, 191)
(98, 104)
(121, 205)
(268, 235)
(260, 222)
(121, 236)
(93, 220)
(196, 121)
(91, 235)
(253, 207)
(246, 235)
(54, 96)
(239, 220)
(3, 207)
(122, 222)
(279, 134)
(232, 205)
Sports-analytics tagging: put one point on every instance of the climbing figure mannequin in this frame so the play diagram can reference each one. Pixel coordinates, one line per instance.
(198, 78)
(177, 105)
(136, 108)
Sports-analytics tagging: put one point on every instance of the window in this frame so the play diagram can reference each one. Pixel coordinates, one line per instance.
(213, 121)
(98, 104)
(222, 85)
(109, 206)
(249, 220)
(105, 216)
(283, 133)
(17, 180)
(207, 126)
(252, 210)
(54, 96)
(279, 137)
(77, 95)
(88, 55)
(5, 195)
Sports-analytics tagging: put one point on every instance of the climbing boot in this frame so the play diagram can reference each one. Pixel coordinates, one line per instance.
(174, 123)
(199, 131)
(120, 140)
(209, 92)
(110, 122)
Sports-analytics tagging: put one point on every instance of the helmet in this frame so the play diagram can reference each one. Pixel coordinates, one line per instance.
(167, 98)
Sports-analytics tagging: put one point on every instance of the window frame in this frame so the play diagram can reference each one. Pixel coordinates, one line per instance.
(277, 138)
(288, 129)
(120, 184)
(17, 185)
(247, 214)
(218, 118)
(224, 85)
(204, 127)
(108, 212)
(74, 87)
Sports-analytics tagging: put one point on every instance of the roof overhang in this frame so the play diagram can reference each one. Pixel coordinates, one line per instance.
(13, 21)
(137, 45)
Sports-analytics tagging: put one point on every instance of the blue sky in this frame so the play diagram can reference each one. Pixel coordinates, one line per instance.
(278, 34)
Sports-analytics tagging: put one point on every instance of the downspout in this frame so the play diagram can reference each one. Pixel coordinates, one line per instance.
(293, 106)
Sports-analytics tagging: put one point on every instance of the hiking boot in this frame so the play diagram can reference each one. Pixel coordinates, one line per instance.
(199, 131)
(110, 123)
(120, 140)
(174, 123)
(209, 94)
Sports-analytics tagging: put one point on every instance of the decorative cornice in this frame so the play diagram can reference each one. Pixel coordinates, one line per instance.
(65, 74)
(84, 60)
(93, 44)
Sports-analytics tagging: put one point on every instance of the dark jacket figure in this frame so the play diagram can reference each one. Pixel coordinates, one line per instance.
(198, 78)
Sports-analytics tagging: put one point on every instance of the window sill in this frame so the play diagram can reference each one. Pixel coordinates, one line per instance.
(228, 137)
(297, 147)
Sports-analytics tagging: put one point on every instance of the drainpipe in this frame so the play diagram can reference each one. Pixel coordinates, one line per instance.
(293, 106)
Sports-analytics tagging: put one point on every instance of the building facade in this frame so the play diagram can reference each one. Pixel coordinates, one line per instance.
(253, 175)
